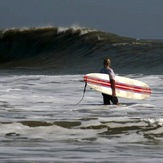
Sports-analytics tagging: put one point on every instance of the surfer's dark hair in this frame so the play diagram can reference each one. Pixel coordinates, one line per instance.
(107, 62)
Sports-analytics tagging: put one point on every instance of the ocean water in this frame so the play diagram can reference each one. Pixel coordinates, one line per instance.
(41, 83)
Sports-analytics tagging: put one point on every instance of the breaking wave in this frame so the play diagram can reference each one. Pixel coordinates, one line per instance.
(77, 50)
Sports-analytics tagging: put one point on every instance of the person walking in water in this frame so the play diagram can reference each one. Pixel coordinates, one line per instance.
(107, 99)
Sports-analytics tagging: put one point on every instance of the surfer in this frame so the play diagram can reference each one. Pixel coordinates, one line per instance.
(108, 70)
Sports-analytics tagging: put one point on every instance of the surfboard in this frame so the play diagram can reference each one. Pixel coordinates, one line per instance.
(125, 87)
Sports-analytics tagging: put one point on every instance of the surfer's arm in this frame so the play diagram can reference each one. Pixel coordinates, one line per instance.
(112, 81)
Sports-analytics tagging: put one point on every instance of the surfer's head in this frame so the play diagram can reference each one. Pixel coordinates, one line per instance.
(107, 62)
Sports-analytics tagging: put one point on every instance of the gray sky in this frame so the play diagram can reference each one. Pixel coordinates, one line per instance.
(132, 18)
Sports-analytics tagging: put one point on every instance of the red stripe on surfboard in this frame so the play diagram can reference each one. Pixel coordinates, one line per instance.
(121, 86)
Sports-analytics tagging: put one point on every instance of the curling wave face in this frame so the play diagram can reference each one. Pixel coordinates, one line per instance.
(77, 50)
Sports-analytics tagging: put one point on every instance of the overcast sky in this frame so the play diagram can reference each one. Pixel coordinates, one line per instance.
(132, 18)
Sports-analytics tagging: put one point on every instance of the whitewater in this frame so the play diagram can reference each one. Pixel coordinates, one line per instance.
(39, 118)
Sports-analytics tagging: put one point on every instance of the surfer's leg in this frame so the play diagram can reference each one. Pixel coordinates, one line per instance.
(106, 99)
(114, 100)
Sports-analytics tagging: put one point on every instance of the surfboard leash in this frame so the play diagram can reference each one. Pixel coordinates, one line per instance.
(83, 94)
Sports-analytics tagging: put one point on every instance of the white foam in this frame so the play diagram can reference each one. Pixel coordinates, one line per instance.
(48, 98)
(154, 121)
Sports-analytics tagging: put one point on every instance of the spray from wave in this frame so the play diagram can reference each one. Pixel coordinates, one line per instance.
(77, 50)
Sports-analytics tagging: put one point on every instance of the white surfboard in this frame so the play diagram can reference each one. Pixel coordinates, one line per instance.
(125, 87)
